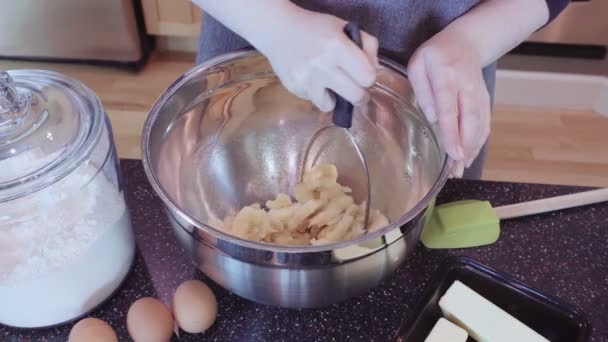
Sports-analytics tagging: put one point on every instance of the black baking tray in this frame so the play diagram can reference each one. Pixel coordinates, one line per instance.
(555, 320)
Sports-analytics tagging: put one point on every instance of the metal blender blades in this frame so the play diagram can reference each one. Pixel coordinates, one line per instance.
(342, 121)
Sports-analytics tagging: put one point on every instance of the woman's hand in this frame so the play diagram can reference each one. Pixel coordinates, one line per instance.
(313, 54)
(446, 70)
(309, 51)
(446, 74)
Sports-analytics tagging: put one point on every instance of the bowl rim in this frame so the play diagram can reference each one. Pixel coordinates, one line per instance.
(218, 234)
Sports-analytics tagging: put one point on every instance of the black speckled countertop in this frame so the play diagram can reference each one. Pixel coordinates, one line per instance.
(563, 254)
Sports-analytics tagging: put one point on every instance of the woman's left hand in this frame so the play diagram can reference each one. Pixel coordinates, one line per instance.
(446, 74)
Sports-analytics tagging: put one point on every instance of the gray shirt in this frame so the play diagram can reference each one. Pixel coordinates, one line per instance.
(400, 26)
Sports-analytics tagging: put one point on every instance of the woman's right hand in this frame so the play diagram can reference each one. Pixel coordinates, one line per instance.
(310, 53)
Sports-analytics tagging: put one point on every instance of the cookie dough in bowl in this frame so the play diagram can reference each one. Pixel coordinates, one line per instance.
(323, 212)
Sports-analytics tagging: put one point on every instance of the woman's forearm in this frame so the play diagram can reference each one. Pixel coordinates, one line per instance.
(494, 27)
(252, 20)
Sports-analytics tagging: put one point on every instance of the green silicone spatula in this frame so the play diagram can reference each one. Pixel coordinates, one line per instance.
(473, 223)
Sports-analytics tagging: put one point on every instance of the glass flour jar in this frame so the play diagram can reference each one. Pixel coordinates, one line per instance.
(66, 242)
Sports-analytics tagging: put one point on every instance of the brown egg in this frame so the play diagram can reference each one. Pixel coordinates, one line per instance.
(92, 330)
(149, 320)
(194, 306)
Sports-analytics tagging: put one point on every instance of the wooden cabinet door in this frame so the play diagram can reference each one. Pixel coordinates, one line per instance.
(172, 17)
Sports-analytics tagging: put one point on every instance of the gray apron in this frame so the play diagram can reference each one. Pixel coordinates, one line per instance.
(400, 26)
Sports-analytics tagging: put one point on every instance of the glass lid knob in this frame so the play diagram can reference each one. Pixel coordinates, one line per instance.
(14, 104)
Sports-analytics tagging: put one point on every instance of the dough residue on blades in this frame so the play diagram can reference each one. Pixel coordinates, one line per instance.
(323, 212)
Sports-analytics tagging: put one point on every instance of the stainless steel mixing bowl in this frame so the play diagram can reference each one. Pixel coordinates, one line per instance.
(227, 134)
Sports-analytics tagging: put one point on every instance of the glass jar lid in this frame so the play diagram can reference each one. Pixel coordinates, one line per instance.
(48, 125)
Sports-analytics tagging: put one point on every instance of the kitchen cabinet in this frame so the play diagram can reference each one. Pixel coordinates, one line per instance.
(171, 18)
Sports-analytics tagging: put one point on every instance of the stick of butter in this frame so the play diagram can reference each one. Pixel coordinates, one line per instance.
(445, 331)
(483, 320)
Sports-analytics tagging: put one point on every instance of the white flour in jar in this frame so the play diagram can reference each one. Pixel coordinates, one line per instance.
(63, 249)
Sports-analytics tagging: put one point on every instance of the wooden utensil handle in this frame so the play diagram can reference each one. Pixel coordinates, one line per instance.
(552, 204)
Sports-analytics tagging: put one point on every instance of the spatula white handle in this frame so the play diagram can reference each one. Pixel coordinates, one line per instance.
(551, 204)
